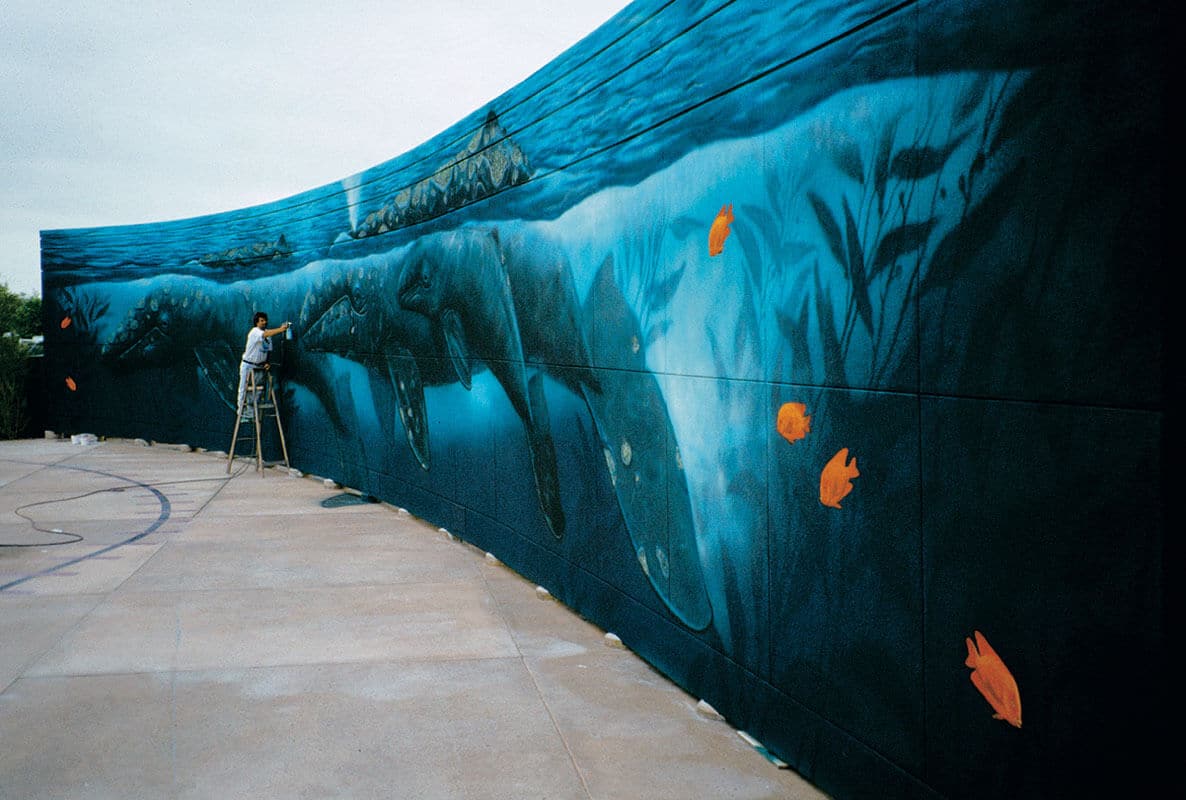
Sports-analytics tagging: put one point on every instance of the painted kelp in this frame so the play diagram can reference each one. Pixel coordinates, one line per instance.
(834, 389)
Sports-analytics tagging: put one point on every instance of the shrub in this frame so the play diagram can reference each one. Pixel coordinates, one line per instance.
(14, 372)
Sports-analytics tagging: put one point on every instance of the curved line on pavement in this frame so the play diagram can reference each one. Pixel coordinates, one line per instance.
(166, 512)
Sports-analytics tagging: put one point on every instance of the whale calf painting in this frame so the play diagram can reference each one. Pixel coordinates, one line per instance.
(633, 325)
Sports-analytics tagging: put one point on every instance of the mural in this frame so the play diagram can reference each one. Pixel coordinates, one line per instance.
(633, 334)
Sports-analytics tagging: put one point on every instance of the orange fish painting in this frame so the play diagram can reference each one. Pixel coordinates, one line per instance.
(993, 679)
(66, 322)
(793, 421)
(720, 230)
(835, 482)
(70, 384)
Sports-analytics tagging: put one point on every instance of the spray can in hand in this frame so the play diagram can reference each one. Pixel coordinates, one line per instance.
(288, 331)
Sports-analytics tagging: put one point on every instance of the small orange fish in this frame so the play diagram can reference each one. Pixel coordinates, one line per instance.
(70, 384)
(835, 481)
(719, 231)
(793, 421)
(66, 322)
(993, 679)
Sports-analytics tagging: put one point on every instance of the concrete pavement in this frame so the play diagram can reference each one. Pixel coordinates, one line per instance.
(269, 636)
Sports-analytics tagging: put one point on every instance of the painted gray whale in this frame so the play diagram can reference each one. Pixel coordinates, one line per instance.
(350, 312)
(195, 327)
(458, 280)
(508, 299)
(395, 312)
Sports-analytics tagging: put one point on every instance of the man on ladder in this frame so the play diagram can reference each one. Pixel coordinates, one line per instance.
(252, 371)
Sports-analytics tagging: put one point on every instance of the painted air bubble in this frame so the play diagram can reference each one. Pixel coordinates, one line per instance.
(627, 453)
(611, 466)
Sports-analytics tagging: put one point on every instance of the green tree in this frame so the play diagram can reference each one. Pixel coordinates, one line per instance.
(10, 304)
(28, 317)
(20, 317)
(14, 371)
(19, 314)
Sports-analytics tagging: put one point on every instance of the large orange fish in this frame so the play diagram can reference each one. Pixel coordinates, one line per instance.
(835, 481)
(66, 322)
(793, 421)
(720, 230)
(70, 384)
(993, 679)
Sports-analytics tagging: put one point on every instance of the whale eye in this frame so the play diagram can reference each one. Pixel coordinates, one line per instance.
(425, 281)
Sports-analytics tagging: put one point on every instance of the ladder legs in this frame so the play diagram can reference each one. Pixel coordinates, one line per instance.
(279, 427)
(256, 388)
(259, 451)
(230, 456)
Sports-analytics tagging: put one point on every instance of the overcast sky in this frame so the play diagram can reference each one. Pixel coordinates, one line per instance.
(117, 112)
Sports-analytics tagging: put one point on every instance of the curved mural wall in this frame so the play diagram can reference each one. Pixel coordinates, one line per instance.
(814, 348)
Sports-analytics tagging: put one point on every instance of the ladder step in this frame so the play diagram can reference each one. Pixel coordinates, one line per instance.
(263, 405)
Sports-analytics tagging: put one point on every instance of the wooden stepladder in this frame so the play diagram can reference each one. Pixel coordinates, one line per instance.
(259, 400)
